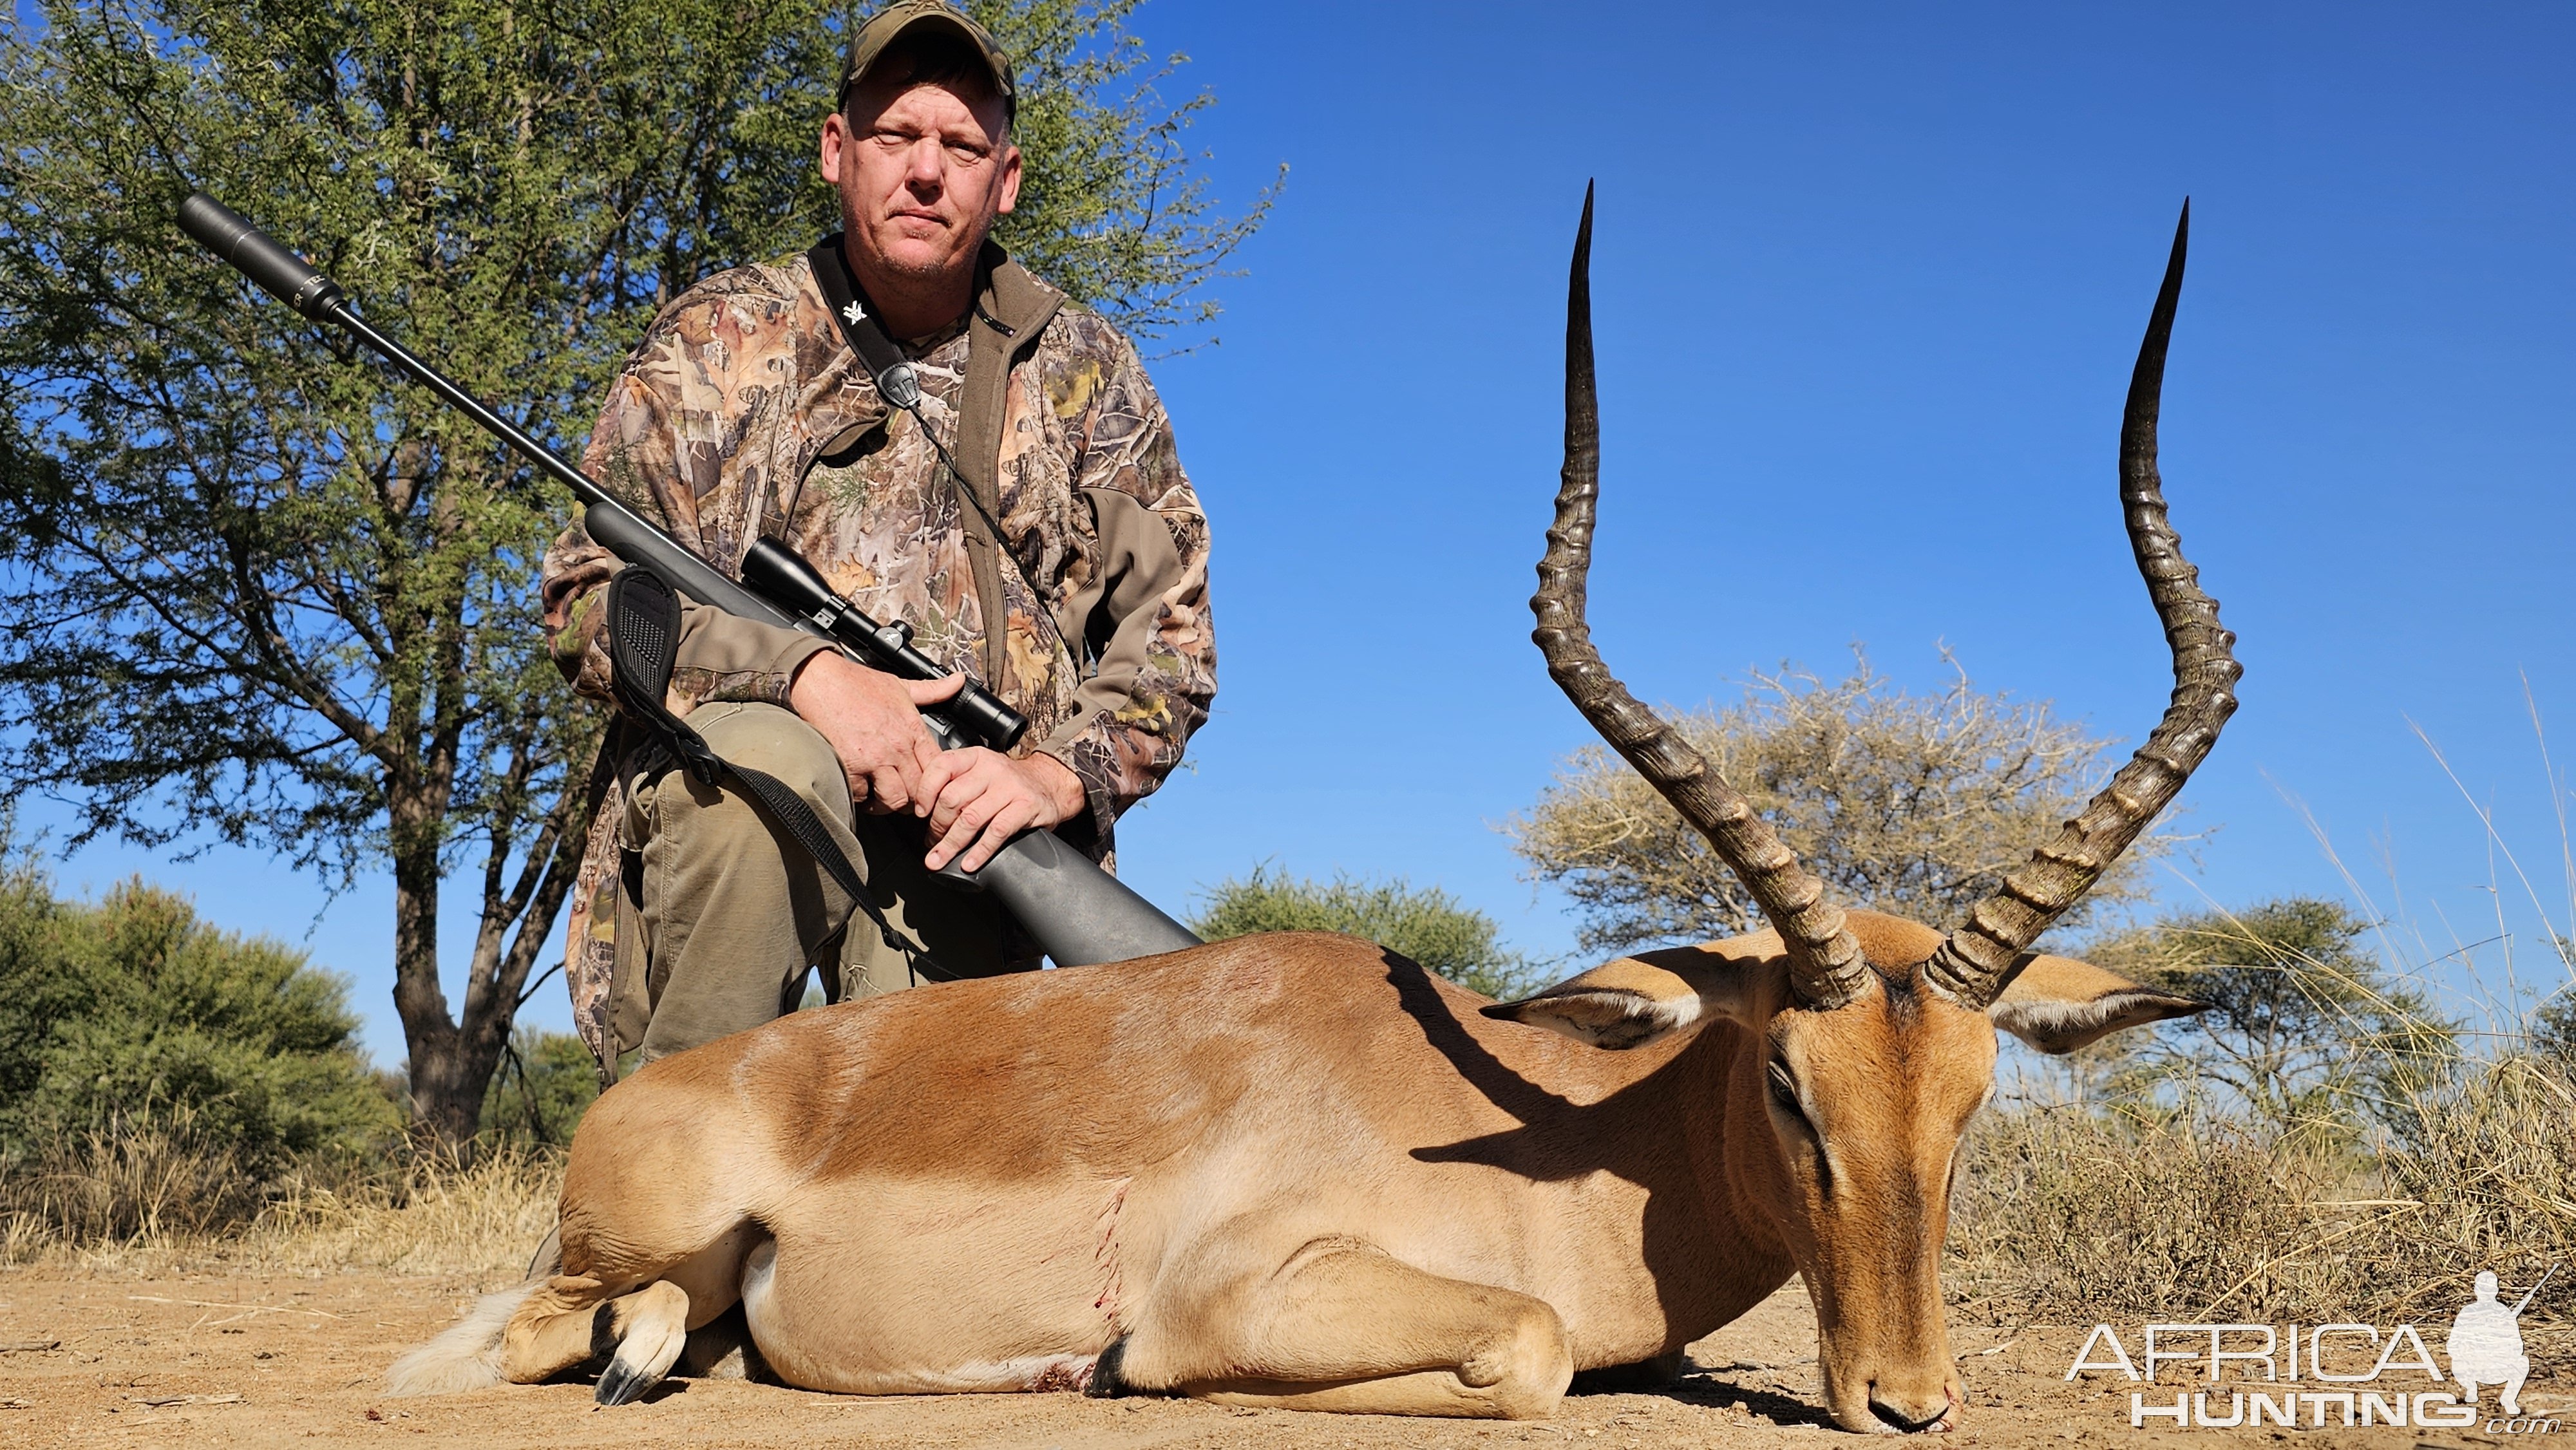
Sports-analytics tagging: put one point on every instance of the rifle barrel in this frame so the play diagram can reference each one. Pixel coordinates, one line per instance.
(610, 524)
(2535, 1291)
(299, 284)
(583, 486)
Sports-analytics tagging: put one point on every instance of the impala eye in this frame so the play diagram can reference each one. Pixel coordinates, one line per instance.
(1784, 1093)
(1784, 1090)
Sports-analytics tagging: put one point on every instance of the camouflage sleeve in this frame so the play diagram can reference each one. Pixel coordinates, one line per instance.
(659, 449)
(573, 586)
(1156, 672)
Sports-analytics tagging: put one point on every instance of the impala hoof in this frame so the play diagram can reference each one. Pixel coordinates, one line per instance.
(1106, 1383)
(622, 1386)
(651, 1328)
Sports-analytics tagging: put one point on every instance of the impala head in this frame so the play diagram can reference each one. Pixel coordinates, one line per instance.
(1873, 1038)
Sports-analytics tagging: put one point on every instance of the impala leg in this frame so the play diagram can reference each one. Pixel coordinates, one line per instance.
(557, 1327)
(639, 1327)
(1347, 1327)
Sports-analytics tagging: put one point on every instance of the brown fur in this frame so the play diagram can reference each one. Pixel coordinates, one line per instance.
(1291, 1170)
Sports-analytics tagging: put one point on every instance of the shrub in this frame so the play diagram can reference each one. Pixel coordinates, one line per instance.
(1428, 925)
(157, 1075)
(37, 986)
(2552, 1033)
(157, 1018)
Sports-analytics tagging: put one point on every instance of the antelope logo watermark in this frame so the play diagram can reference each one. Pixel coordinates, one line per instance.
(2363, 1374)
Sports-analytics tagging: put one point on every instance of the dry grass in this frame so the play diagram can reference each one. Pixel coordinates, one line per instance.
(2490, 1167)
(2066, 1214)
(2070, 1214)
(480, 1219)
(2456, 1152)
(126, 1182)
(124, 1203)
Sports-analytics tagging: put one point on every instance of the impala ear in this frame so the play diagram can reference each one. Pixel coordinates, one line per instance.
(2058, 1004)
(1636, 1000)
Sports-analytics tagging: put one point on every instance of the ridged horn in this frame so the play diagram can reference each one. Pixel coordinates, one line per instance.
(1972, 962)
(1825, 965)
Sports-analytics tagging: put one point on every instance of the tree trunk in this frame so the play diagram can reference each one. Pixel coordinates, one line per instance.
(446, 1098)
(453, 1059)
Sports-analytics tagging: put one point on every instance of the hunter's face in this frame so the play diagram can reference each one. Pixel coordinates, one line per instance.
(922, 170)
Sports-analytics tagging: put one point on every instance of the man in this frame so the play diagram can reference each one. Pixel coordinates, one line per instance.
(746, 412)
(2486, 1344)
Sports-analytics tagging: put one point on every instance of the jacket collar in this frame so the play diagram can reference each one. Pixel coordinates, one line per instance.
(1010, 304)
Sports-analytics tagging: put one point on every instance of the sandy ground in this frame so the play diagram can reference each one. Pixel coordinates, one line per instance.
(96, 1357)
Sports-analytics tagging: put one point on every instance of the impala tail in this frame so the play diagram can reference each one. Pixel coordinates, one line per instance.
(467, 1356)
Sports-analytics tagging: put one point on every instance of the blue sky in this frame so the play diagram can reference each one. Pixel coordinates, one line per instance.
(1868, 282)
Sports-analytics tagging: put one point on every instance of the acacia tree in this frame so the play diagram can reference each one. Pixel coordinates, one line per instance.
(253, 592)
(1906, 803)
(2308, 1031)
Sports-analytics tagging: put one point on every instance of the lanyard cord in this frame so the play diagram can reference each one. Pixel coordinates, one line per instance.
(887, 367)
(957, 481)
(900, 386)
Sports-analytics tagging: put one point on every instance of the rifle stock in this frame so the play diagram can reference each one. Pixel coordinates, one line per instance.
(1078, 913)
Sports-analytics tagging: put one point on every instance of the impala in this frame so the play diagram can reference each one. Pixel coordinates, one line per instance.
(1300, 1171)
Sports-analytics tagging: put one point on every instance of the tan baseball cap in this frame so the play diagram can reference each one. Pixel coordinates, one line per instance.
(903, 17)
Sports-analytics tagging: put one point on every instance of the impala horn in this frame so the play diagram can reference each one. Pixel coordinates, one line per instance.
(1975, 962)
(1825, 965)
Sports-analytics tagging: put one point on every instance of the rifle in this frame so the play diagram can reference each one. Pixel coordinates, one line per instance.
(2535, 1290)
(1078, 913)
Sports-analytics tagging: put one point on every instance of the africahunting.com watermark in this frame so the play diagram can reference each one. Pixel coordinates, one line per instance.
(2363, 1374)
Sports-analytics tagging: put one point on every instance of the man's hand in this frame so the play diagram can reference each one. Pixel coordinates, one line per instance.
(873, 722)
(978, 799)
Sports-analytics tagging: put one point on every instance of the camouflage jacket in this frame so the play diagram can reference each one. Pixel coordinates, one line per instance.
(745, 412)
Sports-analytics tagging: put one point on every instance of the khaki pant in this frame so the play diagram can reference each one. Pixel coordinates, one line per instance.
(723, 916)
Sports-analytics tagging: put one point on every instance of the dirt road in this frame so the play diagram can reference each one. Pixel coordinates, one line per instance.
(209, 1361)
